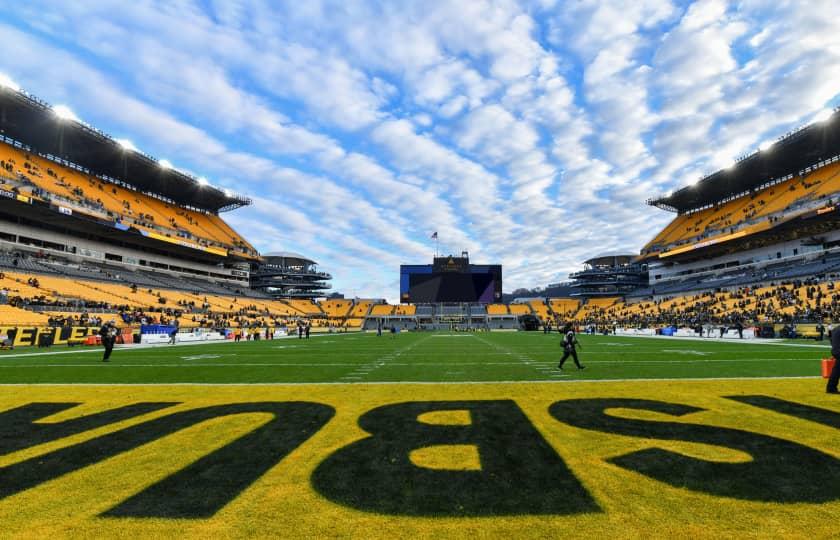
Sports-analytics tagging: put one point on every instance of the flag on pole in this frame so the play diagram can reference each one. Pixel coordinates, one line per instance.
(434, 235)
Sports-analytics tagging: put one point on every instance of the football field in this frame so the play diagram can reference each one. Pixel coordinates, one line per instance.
(424, 435)
(416, 357)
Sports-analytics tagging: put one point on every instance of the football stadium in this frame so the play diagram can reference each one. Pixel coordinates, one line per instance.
(162, 375)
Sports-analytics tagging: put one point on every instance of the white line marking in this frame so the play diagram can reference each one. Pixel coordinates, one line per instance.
(203, 356)
(425, 383)
(534, 364)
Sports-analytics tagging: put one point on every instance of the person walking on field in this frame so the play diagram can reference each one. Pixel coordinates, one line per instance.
(173, 333)
(108, 333)
(569, 343)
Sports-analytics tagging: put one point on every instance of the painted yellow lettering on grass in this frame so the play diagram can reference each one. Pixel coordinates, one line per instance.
(446, 418)
(449, 457)
(709, 452)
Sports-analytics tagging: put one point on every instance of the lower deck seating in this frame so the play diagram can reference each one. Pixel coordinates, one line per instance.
(520, 309)
(12, 316)
(497, 309)
(382, 310)
(540, 309)
(405, 309)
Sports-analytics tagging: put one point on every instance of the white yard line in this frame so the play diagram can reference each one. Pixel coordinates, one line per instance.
(367, 368)
(424, 383)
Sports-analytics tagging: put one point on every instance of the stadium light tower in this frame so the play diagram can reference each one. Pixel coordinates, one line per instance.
(126, 144)
(7, 82)
(203, 181)
(65, 113)
(765, 146)
(165, 164)
(823, 115)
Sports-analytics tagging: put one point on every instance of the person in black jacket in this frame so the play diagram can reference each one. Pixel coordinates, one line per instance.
(108, 333)
(569, 343)
(834, 377)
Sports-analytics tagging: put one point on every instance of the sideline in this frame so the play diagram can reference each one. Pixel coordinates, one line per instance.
(428, 383)
(380, 363)
(141, 346)
(751, 341)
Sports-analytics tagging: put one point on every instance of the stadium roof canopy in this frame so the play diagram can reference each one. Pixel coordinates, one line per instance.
(611, 255)
(790, 154)
(287, 255)
(53, 132)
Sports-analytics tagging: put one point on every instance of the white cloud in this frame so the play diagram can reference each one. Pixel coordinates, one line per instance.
(529, 133)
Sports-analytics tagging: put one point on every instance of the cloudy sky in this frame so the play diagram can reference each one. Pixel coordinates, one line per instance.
(529, 133)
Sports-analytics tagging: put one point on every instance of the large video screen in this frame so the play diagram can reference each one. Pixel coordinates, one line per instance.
(424, 286)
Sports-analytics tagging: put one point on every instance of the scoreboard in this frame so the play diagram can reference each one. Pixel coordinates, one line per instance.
(450, 279)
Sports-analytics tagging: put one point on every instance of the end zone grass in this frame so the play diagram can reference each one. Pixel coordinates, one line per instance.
(283, 502)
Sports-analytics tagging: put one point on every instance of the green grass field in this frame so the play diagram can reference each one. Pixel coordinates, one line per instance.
(420, 436)
(419, 357)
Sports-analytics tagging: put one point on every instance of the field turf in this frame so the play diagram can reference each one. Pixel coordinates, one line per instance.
(418, 357)
(420, 436)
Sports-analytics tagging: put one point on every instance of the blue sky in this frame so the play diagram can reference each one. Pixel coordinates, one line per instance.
(529, 133)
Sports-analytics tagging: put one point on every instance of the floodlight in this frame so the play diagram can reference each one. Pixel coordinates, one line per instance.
(65, 113)
(228, 193)
(164, 164)
(765, 146)
(203, 181)
(7, 82)
(126, 144)
(823, 115)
